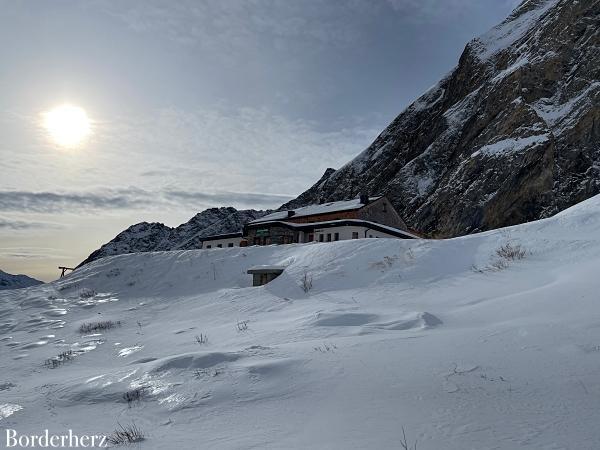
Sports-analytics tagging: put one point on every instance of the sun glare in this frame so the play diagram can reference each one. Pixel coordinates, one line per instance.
(67, 125)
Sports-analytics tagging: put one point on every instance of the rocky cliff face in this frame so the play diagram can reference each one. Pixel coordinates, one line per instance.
(512, 134)
(9, 281)
(151, 237)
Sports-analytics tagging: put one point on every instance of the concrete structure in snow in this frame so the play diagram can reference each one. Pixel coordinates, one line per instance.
(264, 274)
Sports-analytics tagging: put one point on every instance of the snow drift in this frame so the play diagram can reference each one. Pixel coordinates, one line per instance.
(457, 341)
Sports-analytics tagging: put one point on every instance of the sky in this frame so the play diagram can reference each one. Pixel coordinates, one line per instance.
(199, 103)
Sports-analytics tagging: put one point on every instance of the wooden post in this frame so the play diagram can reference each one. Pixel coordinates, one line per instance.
(64, 269)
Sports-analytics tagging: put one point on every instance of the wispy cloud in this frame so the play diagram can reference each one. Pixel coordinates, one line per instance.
(31, 253)
(439, 11)
(254, 199)
(179, 162)
(237, 24)
(231, 149)
(133, 198)
(234, 25)
(52, 202)
(22, 225)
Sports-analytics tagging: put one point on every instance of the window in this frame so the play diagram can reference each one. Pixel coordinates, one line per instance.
(230, 244)
(209, 246)
(336, 237)
(321, 238)
(370, 235)
(220, 245)
(384, 207)
(355, 235)
(311, 237)
(328, 237)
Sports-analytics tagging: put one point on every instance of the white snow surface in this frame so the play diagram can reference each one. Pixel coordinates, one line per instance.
(431, 335)
(511, 145)
(557, 114)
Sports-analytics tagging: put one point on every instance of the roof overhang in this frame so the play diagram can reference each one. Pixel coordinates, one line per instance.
(336, 223)
(277, 270)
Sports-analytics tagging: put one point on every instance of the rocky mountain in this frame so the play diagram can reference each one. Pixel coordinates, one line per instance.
(150, 237)
(9, 281)
(512, 134)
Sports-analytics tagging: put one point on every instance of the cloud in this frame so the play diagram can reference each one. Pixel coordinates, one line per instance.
(440, 11)
(31, 253)
(237, 149)
(21, 225)
(222, 156)
(64, 202)
(128, 199)
(251, 199)
(238, 24)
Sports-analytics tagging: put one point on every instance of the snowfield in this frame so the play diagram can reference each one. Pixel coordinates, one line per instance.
(464, 348)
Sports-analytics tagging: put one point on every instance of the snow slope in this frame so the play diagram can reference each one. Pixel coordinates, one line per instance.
(440, 337)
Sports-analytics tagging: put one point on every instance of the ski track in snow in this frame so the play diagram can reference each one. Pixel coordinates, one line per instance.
(432, 336)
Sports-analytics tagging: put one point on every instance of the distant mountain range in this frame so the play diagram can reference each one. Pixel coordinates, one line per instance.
(151, 237)
(9, 281)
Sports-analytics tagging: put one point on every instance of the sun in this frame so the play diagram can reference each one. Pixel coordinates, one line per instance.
(67, 125)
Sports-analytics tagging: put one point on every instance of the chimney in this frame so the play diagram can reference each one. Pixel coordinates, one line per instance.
(364, 198)
(291, 213)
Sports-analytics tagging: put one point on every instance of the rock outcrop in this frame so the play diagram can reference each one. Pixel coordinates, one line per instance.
(10, 281)
(512, 134)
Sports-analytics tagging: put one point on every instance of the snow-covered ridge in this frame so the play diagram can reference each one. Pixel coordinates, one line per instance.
(148, 237)
(9, 281)
(355, 340)
(523, 20)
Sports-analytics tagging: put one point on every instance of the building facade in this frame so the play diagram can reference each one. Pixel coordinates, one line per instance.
(372, 217)
(222, 241)
(364, 217)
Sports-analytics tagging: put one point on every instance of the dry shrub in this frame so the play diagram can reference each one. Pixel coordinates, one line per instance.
(88, 327)
(511, 252)
(126, 435)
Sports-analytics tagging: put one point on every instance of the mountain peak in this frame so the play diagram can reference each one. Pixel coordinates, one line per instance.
(519, 23)
(509, 136)
(154, 236)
